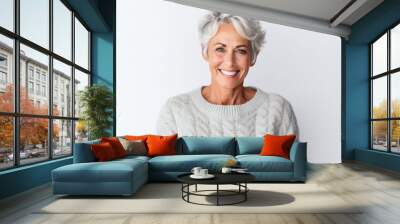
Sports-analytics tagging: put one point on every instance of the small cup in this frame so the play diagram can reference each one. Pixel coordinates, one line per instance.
(203, 172)
(226, 170)
(196, 170)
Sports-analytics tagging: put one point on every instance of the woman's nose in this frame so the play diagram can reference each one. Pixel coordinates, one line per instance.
(229, 59)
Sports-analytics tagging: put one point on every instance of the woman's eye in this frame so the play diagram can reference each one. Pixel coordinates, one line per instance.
(242, 51)
(220, 49)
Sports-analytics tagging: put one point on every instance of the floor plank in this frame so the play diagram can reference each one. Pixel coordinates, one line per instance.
(376, 189)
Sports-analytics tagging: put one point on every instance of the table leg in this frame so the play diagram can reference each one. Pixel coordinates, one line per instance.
(245, 193)
(182, 188)
(217, 194)
(188, 190)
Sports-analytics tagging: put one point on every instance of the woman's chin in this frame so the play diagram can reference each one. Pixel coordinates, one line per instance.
(229, 84)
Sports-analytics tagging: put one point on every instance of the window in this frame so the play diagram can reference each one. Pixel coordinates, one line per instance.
(3, 61)
(37, 74)
(3, 78)
(62, 75)
(37, 89)
(35, 21)
(43, 90)
(385, 91)
(62, 29)
(81, 45)
(3, 72)
(62, 137)
(30, 72)
(6, 74)
(6, 142)
(81, 81)
(30, 88)
(7, 14)
(45, 131)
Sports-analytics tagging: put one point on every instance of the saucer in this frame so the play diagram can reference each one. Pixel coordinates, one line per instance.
(208, 176)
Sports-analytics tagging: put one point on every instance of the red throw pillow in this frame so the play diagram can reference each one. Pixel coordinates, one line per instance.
(116, 145)
(277, 145)
(103, 151)
(161, 145)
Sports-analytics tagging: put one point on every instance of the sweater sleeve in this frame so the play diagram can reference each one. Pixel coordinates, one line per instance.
(166, 124)
(289, 121)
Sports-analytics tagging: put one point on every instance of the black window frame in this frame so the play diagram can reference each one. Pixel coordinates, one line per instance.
(388, 74)
(16, 115)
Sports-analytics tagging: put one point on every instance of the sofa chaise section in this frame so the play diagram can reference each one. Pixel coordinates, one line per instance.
(87, 177)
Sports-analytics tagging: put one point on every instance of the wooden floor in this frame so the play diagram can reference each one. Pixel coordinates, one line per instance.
(377, 188)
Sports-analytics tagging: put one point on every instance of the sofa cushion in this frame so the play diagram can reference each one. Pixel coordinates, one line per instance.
(257, 163)
(249, 145)
(133, 158)
(206, 145)
(111, 171)
(185, 163)
(83, 152)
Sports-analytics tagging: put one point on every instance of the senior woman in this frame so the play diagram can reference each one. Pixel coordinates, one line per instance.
(230, 44)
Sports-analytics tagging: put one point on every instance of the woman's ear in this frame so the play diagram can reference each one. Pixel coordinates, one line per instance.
(205, 55)
(253, 63)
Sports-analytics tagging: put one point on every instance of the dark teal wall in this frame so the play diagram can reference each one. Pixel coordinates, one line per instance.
(356, 82)
(99, 16)
(103, 63)
(103, 52)
(24, 178)
(357, 99)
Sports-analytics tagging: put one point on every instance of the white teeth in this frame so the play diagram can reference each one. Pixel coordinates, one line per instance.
(229, 73)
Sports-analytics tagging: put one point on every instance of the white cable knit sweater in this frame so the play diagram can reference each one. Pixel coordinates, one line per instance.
(190, 114)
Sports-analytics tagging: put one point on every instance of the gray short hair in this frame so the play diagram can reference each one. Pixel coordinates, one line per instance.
(248, 28)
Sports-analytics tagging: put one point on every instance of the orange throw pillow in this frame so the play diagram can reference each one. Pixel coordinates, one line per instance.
(116, 145)
(135, 138)
(103, 151)
(161, 145)
(277, 145)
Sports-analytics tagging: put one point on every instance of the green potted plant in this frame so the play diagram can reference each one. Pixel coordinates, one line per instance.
(96, 102)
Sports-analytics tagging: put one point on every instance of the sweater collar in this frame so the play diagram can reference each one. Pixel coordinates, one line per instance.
(227, 110)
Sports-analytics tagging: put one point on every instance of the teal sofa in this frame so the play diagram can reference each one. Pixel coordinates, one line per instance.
(125, 176)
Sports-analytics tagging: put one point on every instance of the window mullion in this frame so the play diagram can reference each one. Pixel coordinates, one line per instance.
(389, 126)
(73, 82)
(50, 79)
(16, 84)
(371, 98)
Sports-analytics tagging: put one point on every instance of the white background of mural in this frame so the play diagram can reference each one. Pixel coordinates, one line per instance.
(159, 56)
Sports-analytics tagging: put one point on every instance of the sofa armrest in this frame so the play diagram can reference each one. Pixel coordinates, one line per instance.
(298, 155)
(83, 152)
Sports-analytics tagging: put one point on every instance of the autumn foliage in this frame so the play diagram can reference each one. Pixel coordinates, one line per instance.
(380, 127)
(33, 131)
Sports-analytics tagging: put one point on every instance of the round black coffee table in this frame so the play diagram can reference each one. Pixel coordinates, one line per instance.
(238, 179)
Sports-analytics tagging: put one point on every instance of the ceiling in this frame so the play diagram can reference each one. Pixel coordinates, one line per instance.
(326, 16)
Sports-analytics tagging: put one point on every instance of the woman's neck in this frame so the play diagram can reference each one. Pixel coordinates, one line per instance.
(221, 96)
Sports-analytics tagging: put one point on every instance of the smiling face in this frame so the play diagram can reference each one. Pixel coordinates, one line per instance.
(229, 57)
